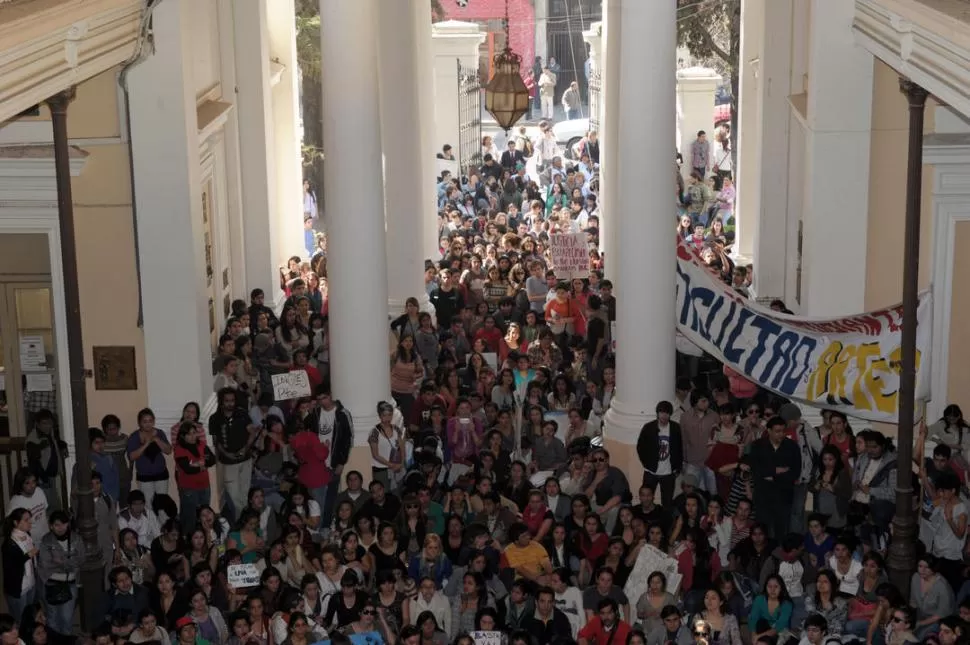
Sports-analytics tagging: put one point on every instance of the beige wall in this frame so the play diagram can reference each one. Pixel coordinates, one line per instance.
(887, 204)
(958, 377)
(887, 193)
(106, 245)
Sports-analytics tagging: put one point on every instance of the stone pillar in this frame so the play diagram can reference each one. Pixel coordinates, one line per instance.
(645, 319)
(426, 92)
(355, 201)
(695, 93)
(452, 41)
(609, 142)
(774, 84)
(405, 206)
(594, 38)
(285, 98)
(836, 181)
(168, 198)
(257, 159)
(747, 174)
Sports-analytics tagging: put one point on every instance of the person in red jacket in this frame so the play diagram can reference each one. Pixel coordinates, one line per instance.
(314, 471)
(192, 462)
(301, 362)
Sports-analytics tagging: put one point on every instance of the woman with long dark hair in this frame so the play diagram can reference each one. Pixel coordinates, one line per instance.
(832, 487)
(699, 566)
(192, 460)
(292, 334)
(18, 553)
(407, 370)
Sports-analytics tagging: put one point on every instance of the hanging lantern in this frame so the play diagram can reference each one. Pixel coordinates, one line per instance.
(506, 96)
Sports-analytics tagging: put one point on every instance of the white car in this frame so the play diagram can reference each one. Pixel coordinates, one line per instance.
(568, 134)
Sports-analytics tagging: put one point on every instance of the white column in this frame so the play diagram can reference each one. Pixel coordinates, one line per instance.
(695, 92)
(609, 142)
(168, 198)
(645, 318)
(257, 157)
(747, 175)
(452, 40)
(286, 137)
(594, 38)
(837, 147)
(426, 93)
(770, 231)
(355, 201)
(401, 137)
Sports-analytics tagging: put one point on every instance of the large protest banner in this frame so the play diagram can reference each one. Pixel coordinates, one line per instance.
(570, 255)
(849, 364)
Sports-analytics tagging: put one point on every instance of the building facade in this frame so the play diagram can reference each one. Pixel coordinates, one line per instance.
(186, 173)
(823, 148)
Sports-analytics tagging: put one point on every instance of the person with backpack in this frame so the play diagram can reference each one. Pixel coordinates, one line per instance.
(793, 565)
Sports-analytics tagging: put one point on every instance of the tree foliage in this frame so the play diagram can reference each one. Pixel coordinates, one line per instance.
(711, 31)
(309, 59)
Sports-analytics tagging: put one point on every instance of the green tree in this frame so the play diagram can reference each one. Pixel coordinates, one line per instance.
(309, 57)
(309, 60)
(711, 31)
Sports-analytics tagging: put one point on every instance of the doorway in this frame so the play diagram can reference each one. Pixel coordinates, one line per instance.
(28, 365)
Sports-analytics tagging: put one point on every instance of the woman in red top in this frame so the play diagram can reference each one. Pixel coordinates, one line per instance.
(698, 566)
(312, 455)
(591, 543)
(490, 334)
(537, 516)
(192, 462)
(579, 295)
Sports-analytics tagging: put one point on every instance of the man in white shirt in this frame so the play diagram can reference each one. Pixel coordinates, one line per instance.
(569, 600)
(139, 519)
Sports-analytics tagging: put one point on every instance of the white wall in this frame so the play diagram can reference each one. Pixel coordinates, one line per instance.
(206, 59)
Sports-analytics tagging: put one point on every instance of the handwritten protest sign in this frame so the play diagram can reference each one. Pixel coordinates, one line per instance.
(242, 575)
(570, 255)
(487, 638)
(291, 385)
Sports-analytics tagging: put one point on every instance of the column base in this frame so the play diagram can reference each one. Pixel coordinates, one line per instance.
(624, 421)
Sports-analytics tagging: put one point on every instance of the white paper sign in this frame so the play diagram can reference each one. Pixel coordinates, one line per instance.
(649, 560)
(242, 575)
(487, 638)
(491, 358)
(32, 354)
(570, 255)
(292, 385)
(40, 383)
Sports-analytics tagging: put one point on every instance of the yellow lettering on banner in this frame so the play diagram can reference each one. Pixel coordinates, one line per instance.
(868, 389)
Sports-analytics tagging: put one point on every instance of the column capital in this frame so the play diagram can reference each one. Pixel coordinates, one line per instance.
(58, 103)
(915, 93)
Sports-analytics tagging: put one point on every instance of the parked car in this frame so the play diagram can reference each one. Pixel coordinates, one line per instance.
(568, 134)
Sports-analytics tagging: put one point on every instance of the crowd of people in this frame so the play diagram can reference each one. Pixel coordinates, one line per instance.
(491, 503)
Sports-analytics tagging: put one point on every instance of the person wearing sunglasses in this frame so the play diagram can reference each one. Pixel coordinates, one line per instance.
(607, 487)
(298, 632)
(900, 628)
(371, 622)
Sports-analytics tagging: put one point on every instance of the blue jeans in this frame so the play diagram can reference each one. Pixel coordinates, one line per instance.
(319, 495)
(189, 503)
(60, 618)
(15, 606)
(572, 114)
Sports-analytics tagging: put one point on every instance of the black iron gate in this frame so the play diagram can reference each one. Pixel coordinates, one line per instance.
(567, 21)
(469, 118)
